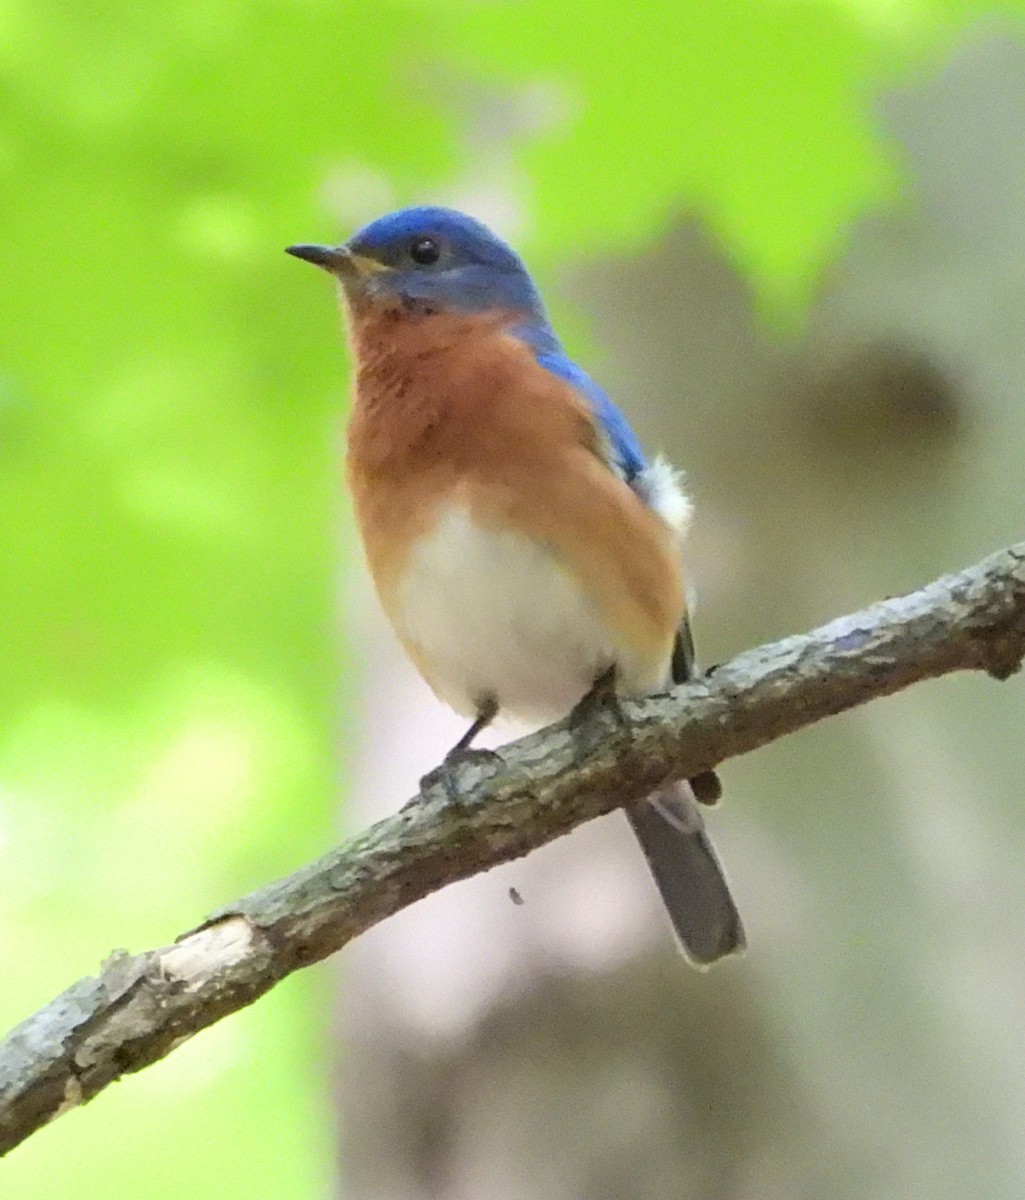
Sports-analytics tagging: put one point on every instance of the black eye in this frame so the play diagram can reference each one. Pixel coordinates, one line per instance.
(424, 251)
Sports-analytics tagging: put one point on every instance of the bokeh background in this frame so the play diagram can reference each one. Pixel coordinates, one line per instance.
(790, 237)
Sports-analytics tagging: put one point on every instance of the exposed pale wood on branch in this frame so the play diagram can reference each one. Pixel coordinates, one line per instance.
(140, 1007)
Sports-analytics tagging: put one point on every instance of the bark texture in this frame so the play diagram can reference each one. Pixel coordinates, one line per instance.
(492, 808)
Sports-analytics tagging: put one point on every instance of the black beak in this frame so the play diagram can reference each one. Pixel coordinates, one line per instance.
(331, 258)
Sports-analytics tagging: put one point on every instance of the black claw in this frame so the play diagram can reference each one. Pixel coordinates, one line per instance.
(707, 787)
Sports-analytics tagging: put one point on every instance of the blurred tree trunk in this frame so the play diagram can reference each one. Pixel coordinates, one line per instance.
(559, 1049)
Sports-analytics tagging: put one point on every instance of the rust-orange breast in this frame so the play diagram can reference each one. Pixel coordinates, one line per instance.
(454, 409)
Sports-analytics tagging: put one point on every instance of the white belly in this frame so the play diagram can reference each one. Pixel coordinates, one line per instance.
(496, 615)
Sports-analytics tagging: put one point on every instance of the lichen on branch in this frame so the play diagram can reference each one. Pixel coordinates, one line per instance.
(140, 1007)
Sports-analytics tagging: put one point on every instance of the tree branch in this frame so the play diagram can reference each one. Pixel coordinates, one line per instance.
(142, 1006)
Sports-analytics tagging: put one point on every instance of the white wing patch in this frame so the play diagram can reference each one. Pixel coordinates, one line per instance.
(660, 485)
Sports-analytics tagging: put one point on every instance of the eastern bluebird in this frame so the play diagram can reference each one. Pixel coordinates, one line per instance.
(523, 548)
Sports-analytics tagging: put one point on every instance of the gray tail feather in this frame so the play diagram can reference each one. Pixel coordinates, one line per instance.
(694, 889)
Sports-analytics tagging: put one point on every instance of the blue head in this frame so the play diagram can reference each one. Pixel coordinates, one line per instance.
(433, 259)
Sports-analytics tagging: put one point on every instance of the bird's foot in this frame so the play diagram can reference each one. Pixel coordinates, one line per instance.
(487, 710)
(454, 773)
(598, 713)
(461, 771)
(706, 785)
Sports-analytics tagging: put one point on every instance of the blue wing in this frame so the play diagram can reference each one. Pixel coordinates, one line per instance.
(626, 449)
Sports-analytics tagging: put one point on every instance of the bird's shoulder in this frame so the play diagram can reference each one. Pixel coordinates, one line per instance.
(623, 448)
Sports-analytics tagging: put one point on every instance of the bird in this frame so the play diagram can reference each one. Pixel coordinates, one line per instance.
(526, 552)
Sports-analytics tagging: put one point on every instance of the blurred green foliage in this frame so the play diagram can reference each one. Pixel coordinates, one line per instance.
(170, 397)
